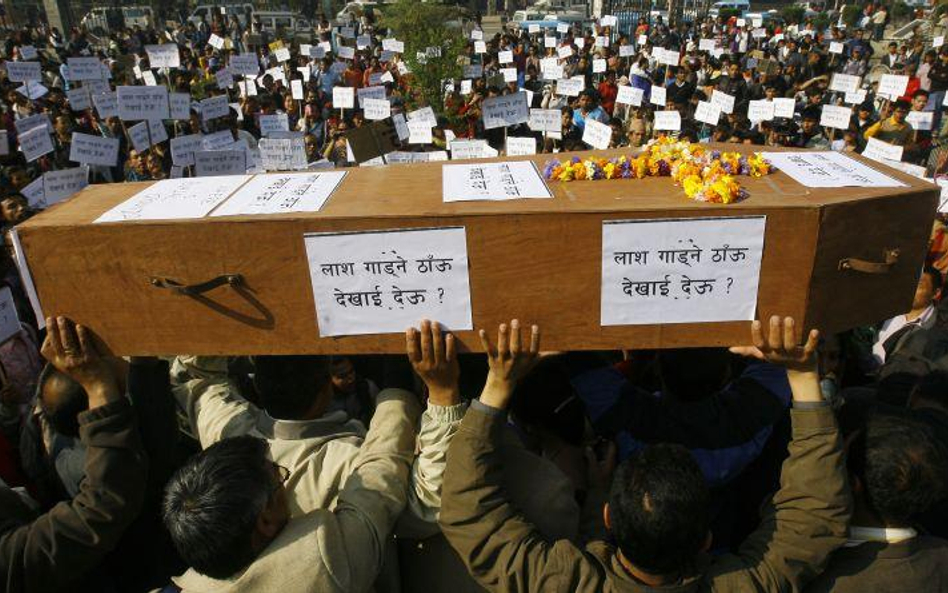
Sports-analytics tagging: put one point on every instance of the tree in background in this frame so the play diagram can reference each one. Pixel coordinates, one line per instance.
(432, 46)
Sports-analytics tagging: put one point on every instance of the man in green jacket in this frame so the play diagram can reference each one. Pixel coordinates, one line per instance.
(54, 551)
(657, 510)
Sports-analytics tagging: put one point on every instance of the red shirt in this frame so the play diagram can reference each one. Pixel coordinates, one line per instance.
(607, 95)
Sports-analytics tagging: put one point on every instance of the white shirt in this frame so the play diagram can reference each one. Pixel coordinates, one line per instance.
(893, 325)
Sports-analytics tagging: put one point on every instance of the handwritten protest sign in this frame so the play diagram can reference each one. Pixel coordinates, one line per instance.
(163, 56)
(282, 193)
(521, 146)
(28, 52)
(216, 42)
(385, 281)
(59, 185)
(94, 150)
(505, 110)
(175, 199)
(845, 83)
(210, 163)
(296, 89)
(545, 120)
(393, 45)
(836, 116)
(276, 122)
(245, 64)
(892, 86)
(920, 120)
(828, 169)
(419, 131)
(24, 71)
(179, 106)
(882, 152)
(214, 107)
(783, 107)
(282, 154)
(597, 134)
(141, 102)
(377, 109)
(761, 110)
(35, 143)
(570, 87)
(658, 96)
(106, 105)
(492, 181)
(374, 92)
(85, 69)
(184, 147)
(26, 124)
(680, 270)
(667, 120)
(32, 90)
(343, 97)
(856, 97)
(33, 192)
(139, 136)
(708, 112)
(79, 99)
(723, 100)
(9, 322)
(630, 95)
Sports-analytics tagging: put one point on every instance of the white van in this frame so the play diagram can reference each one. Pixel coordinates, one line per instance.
(273, 20)
(353, 10)
(742, 5)
(225, 10)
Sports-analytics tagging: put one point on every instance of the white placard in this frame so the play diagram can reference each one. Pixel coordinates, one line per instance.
(560, 28)
(245, 64)
(473, 71)
(94, 150)
(24, 71)
(626, 51)
(282, 193)
(470, 149)
(545, 120)
(783, 107)
(393, 45)
(79, 99)
(668, 120)
(938, 41)
(296, 89)
(386, 281)
(845, 83)
(223, 78)
(419, 131)
(564, 51)
(828, 169)
(214, 107)
(708, 113)
(216, 42)
(856, 97)
(9, 322)
(106, 105)
(630, 95)
(762, 110)
(549, 42)
(521, 146)
(658, 96)
(35, 143)
(176, 199)
(33, 192)
(273, 123)
(32, 90)
(920, 120)
(552, 71)
(139, 136)
(707, 44)
(248, 88)
(505, 57)
(509, 74)
(62, 184)
(477, 35)
(597, 134)
(137, 103)
(343, 97)
(892, 86)
(377, 109)
(599, 66)
(492, 181)
(210, 163)
(505, 110)
(833, 116)
(163, 56)
(642, 39)
(85, 69)
(282, 54)
(26, 124)
(282, 154)
(28, 52)
(836, 47)
(723, 100)
(693, 270)
(184, 147)
(570, 87)
(880, 151)
(224, 139)
(375, 92)
(669, 57)
(602, 41)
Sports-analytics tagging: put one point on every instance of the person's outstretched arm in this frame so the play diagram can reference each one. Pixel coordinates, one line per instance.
(63, 544)
(500, 549)
(809, 515)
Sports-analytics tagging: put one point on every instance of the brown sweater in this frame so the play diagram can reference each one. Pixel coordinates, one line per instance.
(917, 564)
(807, 521)
(49, 552)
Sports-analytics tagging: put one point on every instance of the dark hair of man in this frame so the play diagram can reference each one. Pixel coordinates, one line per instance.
(288, 385)
(901, 466)
(71, 400)
(212, 503)
(658, 509)
(937, 279)
(690, 374)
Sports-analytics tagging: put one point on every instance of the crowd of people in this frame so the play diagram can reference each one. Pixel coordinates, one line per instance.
(793, 462)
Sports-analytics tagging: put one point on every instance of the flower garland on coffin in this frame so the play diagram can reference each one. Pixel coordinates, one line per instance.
(705, 175)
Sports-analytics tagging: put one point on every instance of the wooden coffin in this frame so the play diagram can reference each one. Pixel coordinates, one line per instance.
(538, 260)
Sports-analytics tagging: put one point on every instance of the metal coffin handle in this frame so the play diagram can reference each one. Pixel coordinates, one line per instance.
(196, 289)
(890, 256)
